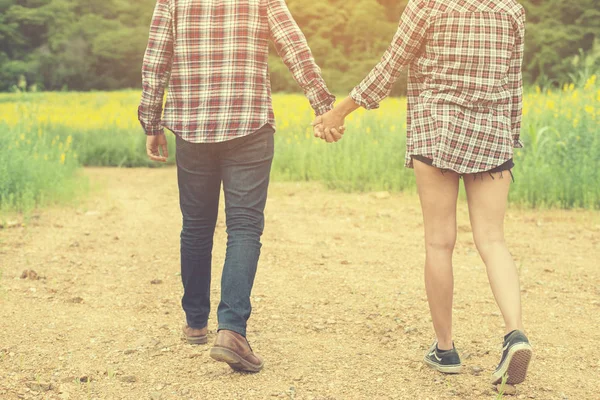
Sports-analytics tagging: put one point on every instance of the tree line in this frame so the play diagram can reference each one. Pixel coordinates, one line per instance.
(99, 44)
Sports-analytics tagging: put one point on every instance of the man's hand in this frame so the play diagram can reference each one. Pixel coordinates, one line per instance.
(330, 126)
(155, 145)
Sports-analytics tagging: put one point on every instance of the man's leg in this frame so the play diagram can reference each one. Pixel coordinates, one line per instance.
(245, 166)
(199, 179)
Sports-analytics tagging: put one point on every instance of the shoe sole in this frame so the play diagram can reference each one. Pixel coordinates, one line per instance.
(454, 369)
(196, 340)
(236, 362)
(515, 365)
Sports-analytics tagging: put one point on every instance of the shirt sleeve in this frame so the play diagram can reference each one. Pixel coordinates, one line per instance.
(405, 46)
(296, 55)
(515, 80)
(156, 68)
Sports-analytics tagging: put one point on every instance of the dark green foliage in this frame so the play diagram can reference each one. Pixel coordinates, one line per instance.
(99, 44)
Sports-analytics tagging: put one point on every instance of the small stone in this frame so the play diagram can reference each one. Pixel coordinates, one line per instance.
(85, 379)
(129, 379)
(156, 282)
(410, 329)
(30, 274)
(509, 390)
(476, 370)
(75, 300)
(39, 386)
(382, 195)
(155, 396)
(9, 224)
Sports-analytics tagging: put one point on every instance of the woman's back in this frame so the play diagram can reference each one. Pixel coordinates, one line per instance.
(469, 49)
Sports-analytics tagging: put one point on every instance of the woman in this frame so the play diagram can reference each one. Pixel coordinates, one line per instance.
(464, 118)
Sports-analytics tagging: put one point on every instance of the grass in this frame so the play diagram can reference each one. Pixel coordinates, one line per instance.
(44, 137)
(36, 168)
(502, 388)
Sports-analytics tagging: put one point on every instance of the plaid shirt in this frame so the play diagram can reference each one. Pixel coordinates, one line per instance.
(214, 54)
(465, 85)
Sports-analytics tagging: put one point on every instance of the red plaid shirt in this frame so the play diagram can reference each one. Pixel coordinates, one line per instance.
(213, 54)
(465, 85)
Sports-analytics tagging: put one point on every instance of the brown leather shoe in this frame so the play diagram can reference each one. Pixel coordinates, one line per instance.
(195, 336)
(234, 349)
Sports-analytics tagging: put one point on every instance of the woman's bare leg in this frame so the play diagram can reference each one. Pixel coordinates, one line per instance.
(438, 193)
(487, 196)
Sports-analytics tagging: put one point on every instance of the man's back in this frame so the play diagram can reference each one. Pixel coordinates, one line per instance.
(216, 54)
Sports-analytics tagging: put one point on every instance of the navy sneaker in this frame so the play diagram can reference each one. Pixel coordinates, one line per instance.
(447, 362)
(516, 355)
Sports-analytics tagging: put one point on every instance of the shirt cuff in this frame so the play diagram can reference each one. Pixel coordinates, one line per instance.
(363, 100)
(324, 106)
(321, 100)
(154, 131)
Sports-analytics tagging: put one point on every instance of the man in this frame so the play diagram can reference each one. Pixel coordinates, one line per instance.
(213, 54)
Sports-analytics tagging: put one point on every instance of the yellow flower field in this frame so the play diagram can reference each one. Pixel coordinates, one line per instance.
(44, 138)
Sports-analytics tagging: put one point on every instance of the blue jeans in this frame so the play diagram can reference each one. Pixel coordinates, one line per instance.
(244, 167)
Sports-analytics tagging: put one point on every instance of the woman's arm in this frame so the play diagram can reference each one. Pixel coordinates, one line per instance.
(404, 48)
(378, 84)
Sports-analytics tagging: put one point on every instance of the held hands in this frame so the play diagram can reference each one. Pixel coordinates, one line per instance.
(329, 126)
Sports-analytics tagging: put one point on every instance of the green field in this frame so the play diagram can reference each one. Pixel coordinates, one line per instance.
(46, 137)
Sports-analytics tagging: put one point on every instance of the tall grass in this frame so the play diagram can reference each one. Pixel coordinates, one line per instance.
(560, 166)
(35, 168)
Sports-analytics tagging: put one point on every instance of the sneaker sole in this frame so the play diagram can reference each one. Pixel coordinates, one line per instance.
(454, 369)
(236, 362)
(515, 365)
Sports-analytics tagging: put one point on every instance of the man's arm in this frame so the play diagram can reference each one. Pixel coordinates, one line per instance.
(515, 80)
(296, 55)
(156, 68)
(405, 46)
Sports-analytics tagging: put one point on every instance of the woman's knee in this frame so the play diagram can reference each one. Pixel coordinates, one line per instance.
(441, 244)
(488, 239)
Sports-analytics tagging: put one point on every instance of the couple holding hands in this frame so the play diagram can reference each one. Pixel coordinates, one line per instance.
(464, 119)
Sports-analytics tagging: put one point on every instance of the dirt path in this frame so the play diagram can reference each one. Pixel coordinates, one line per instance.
(339, 305)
